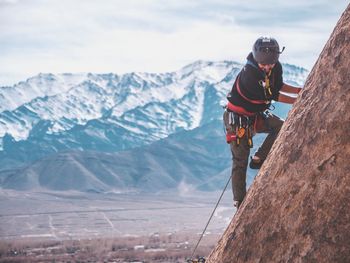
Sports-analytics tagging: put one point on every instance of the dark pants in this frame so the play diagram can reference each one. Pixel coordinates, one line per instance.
(240, 153)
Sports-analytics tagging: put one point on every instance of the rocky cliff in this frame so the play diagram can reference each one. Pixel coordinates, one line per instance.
(298, 208)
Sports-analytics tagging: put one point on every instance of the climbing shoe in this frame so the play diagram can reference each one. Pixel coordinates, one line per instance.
(237, 204)
(255, 163)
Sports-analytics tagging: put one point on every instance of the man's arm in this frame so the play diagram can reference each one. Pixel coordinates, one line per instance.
(286, 99)
(290, 89)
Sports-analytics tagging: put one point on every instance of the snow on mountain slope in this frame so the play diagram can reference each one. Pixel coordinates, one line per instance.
(69, 100)
(39, 86)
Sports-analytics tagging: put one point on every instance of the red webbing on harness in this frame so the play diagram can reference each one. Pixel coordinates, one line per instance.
(239, 110)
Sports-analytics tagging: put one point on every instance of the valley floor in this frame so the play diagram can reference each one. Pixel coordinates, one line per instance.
(133, 227)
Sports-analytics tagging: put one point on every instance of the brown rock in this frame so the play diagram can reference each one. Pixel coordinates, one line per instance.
(298, 208)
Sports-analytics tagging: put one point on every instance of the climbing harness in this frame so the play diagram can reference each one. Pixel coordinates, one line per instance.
(240, 127)
(191, 259)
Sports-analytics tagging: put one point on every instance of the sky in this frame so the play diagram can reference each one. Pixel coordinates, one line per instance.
(120, 36)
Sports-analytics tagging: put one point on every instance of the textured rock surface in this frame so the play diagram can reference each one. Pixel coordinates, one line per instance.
(298, 208)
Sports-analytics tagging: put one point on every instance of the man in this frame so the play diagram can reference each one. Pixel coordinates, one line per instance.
(258, 83)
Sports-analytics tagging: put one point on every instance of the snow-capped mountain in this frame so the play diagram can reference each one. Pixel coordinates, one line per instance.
(67, 100)
(50, 113)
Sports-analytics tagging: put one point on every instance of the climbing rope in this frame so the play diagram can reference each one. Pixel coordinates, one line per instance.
(191, 260)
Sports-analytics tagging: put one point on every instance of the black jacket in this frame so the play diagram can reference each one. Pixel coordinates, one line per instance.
(250, 79)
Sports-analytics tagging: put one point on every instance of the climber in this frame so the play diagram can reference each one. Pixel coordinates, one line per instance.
(258, 83)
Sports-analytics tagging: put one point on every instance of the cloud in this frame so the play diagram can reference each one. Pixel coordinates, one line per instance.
(121, 36)
(4, 2)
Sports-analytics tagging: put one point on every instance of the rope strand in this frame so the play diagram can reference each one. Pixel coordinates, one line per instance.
(210, 217)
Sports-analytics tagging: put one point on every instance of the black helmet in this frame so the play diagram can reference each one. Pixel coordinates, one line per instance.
(266, 50)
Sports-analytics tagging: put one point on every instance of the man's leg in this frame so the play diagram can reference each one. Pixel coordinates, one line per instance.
(240, 155)
(272, 125)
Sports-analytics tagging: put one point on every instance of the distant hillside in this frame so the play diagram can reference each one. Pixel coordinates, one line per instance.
(187, 160)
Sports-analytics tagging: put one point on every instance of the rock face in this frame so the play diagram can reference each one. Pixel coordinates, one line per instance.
(298, 208)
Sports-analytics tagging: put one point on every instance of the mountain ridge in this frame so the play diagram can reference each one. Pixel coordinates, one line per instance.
(127, 112)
